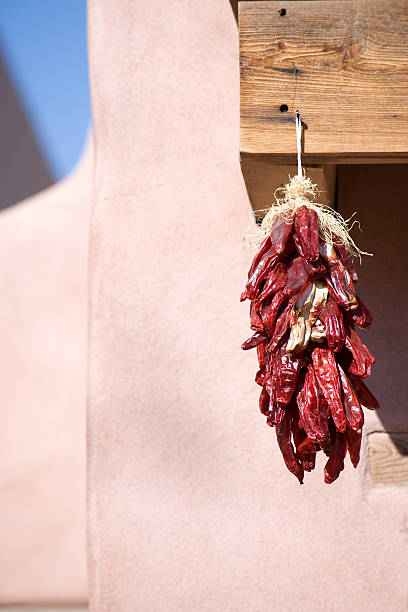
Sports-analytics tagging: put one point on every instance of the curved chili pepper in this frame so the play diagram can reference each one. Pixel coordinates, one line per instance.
(261, 377)
(263, 308)
(326, 443)
(281, 327)
(280, 232)
(345, 258)
(261, 354)
(361, 316)
(339, 286)
(265, 246)
(275, 282)
(264, 401)
(338, 281)
(362, 359)
(286, 369)
(276, 411)
(325, 369)
(260, 273)
(305, 448)
(298, 432)
(306, 233)
(308, 446)
(264, 371)
(297, 277)
(254, 314)
(335, 464)
(283, 435)
(353, 439)
(314, 421)
(364, 394)
(263, 249)
(352, 408)
(269, 318)
(306, 452)
(253, 341)
(332, 320)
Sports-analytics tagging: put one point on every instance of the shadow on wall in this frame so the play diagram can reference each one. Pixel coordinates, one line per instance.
(234, 6)
(378, 194)
(23, 169)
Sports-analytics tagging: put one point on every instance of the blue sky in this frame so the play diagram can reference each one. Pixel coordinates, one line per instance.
(44, 47)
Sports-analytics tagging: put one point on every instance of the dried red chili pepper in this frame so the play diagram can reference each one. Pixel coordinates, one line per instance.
(345, 258)
(332, 320)
(335, 464)
(306, 452)
(275, 415)
(361, 316)
(275, 282)
(261, 377)
(265, 246)
(280, 233)
(261, 354)
(325, 369)
(326, 443)
(253, 341)
(284, 437)
(281, 327)
(261, 272)
(352, 408)
(314, 422)
(338, 284)
(254, 314)
(362, 360)
(271, 313)
(305, 448)
(310, 359)
(286, 369)
(364, 394)
(338, 281)
(297, 277)
(353, 439)
(306, 233)
(264, 402)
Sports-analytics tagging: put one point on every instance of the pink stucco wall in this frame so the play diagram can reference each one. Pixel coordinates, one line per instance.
(190, 505)
(43, 322)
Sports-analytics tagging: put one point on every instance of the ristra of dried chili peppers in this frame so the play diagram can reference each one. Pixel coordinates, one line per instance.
(304, 311)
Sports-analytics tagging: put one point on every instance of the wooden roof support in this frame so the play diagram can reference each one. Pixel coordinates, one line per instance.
(343, 63)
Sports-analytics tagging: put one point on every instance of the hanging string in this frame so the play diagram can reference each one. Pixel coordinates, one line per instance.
(299, 142)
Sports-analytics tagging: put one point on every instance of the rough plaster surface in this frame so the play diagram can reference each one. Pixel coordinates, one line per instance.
(42, 609)
(43, 311)
(190, 505)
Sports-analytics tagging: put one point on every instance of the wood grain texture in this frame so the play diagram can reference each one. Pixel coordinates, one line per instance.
(388, 458)
(343, 63)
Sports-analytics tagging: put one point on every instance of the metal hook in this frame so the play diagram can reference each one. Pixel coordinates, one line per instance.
(299, 142)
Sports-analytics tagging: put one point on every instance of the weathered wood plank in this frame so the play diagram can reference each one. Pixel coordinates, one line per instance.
(388, 454)
(344, 63)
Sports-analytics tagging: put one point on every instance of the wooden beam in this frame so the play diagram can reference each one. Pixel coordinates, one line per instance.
(343, 63)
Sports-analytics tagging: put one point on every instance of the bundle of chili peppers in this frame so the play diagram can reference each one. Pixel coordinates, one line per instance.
(304, 311)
